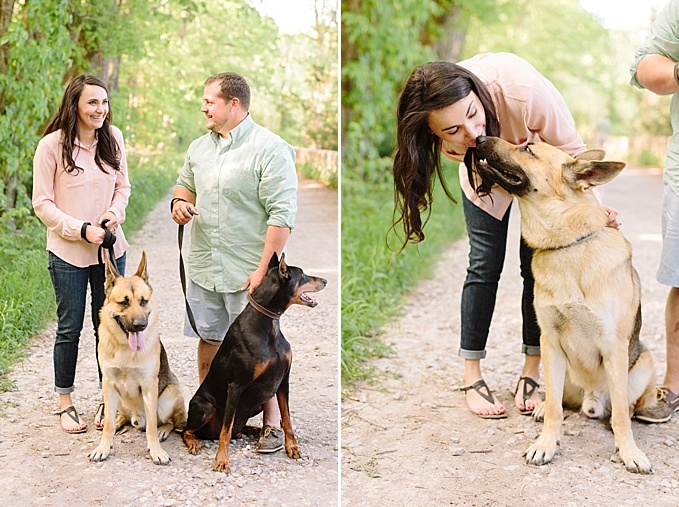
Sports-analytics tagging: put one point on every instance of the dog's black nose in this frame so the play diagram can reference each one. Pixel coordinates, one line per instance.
(481, 140)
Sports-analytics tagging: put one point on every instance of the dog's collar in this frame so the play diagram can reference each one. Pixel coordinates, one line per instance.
(263, 310)
(574, 242)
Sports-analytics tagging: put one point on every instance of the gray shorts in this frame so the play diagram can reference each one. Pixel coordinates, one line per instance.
(668, 272)
(213, 311)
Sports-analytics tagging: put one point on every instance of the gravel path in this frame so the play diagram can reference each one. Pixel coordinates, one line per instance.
(40, 465)
(410, 440)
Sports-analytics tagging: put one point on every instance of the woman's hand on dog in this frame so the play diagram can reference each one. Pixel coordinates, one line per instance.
(612, 217)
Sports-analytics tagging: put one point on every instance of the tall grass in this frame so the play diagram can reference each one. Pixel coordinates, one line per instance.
(374, 279)
(26, 294)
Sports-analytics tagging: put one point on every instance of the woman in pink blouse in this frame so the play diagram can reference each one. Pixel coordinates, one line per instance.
(443, 108)
(80, 188)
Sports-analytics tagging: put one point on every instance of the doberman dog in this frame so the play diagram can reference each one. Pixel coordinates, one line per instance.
(251, 365)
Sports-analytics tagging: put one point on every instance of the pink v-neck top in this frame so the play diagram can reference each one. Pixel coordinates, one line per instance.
(63, 201)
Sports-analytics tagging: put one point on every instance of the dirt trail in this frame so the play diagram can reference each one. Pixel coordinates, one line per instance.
(42, 465)
(410, 440)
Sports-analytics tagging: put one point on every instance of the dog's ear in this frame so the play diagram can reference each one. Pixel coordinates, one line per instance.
(283, 270)
(591, 155)
(111, 272)
(273, 262)
(141, 269)
(586, 174)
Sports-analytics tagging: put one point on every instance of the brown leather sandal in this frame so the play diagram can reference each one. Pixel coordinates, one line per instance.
(487, 395)
(73, 414)
(527, 392)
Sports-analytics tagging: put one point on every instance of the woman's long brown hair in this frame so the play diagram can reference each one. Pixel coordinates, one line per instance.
(432, 86)
(66, 119)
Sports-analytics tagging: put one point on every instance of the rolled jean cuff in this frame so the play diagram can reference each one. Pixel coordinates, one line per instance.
(530, 350)
(472, 354)
(64, 390)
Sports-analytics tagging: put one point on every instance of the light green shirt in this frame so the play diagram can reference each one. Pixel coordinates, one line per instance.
(241, 189)
(663, 39)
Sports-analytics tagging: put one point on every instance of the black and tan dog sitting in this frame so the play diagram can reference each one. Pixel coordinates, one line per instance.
(251, 365)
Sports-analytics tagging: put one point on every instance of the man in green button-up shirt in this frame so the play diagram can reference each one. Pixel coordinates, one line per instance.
(240, 182)
(656, 68)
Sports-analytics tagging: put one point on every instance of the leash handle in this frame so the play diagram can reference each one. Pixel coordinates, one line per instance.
(109, 241)
(182, 277)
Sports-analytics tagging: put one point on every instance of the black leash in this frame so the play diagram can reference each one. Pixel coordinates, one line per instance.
(109, 241)
(182, 273)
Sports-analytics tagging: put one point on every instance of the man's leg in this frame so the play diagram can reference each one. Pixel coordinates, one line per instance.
(206, 353)
(672, 337)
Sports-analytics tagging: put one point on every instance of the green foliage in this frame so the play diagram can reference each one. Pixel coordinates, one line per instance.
(648, 158)
(314, 172)
(381, 41)
(373, 277)
(40, 50)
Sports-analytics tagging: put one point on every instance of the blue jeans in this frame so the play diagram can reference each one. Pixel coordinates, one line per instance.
(487, 246)
(70, 288)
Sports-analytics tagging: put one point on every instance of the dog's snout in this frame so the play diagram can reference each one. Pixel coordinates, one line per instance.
(481, 140)
(139, 324)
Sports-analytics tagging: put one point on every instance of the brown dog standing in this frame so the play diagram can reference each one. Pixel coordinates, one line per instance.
(137, 381)
(587, 293)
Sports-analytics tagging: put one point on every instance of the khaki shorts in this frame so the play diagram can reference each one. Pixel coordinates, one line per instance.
(213, 311)
(668, 272)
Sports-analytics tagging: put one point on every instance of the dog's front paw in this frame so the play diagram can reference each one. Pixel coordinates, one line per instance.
(538, 414)
(160, 457)
(191, 442)
(293, 451)
(222, 465)
(636, 461)
(539, 453)
(100, 453)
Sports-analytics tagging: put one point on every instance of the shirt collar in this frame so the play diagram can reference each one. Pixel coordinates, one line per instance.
(238, 133)
(91, 148)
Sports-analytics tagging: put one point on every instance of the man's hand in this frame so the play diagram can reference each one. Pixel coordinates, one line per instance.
(183, 212)
(254, 280)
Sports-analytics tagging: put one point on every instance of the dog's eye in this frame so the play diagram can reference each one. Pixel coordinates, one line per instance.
(526, 148)
(124, 303)
(143, 301)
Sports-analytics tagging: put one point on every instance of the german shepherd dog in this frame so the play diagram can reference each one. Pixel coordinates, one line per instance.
(251, 365)
(138, 384)
(587, 293)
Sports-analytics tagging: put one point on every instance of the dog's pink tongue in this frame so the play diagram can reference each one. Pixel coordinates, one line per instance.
(136, 340)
